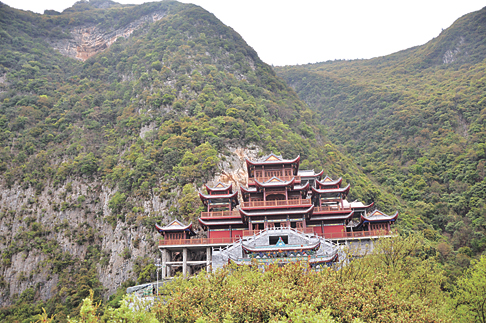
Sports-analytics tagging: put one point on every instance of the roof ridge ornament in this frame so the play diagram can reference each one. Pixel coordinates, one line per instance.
(272, 157)
(274, 179)
(219, 186)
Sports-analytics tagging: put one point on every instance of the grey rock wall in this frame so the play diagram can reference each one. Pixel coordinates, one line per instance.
(87, 41)
(67, 222)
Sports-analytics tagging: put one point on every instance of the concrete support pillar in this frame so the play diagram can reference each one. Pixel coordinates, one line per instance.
(209, 257)
(168, 258)
(164, 263)
(184, 262)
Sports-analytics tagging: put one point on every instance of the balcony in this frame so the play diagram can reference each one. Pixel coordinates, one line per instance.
(219, 214)
(249, 233)
(307, 202)
(358, 234)
(193, 242)
(333, 208)
(251, 181)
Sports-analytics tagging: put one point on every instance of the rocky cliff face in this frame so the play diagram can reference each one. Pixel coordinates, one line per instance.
(87, 41)
(93, 153)
(233, 167)
(77, 212)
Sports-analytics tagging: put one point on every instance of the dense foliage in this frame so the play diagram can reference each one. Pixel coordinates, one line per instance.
(416, 122)
(188, 81)
(401, 281)
(146, 120)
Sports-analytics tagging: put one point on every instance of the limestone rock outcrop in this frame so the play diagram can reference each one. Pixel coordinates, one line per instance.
(87, 41)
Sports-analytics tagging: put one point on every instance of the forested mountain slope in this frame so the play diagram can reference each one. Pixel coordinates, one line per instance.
(111, 117)
(416, 121)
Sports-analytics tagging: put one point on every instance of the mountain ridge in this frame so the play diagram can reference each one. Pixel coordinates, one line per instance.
(414, 120)
(94, 152)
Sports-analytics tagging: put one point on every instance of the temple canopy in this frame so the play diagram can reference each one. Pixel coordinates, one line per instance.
(327, 182)
(310, 173)
(356, 205)
(338, 215)
(283, 212)
(281, 246)
(246, 190)
(224, 221)
(286, 215)
(219, 188)
(344, 191)
(176, 226)
(232, 196)
(275, 160)
(275, 182)
(378, 216)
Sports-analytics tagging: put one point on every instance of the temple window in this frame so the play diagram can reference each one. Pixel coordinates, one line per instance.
(274, 239)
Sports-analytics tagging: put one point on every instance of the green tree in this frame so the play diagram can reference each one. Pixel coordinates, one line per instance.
(131, 310)
(470, 293)
(189, 203)
(117, 201)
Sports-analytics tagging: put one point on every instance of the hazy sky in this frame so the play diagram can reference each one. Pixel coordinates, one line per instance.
(308, 31)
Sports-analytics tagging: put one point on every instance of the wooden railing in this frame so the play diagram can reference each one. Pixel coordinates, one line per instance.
(277, 203)
(219, 213)
(172, 242)
(262, 179)
(357, 234)
(249, 233)
(331, 208)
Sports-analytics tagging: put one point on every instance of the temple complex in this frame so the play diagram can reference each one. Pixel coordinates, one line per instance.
(284, 215)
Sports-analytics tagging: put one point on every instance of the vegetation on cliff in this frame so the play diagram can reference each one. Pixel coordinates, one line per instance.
(415, 121)
(147, 119)
(93, 153)
(401, 281)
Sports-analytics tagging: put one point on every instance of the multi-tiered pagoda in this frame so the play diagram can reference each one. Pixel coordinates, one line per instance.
(284, 212)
